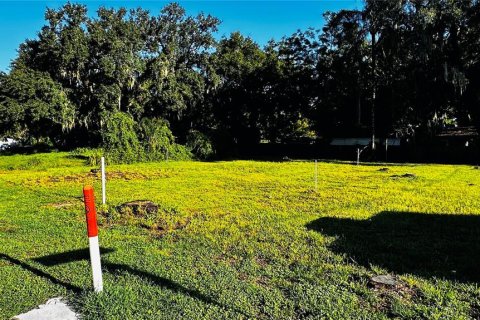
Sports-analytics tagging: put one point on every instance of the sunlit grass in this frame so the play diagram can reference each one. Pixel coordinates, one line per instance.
(244, 239)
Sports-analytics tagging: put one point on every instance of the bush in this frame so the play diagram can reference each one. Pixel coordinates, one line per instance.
(92, 156)
(120, 139)
(200, 145)
(179, 152)
(156, 138)
(159, 142)
(126, 142)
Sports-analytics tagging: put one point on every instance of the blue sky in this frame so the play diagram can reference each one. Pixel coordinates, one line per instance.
(261, 20)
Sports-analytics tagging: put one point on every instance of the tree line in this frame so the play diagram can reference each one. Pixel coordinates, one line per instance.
(393, 68)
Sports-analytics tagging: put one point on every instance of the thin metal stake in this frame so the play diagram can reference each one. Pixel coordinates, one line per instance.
(386, 150)
(104, 192)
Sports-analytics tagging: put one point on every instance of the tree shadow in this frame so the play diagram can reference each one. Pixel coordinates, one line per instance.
(41, 273)
(69, 256)
(83, 254)
(167, 284)
(427, 245)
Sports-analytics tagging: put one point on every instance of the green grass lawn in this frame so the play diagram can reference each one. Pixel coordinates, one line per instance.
(244, 239)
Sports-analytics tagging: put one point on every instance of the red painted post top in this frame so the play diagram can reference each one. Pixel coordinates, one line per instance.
(90, 211)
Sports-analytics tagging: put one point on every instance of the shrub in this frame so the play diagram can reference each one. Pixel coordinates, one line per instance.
(126, 142)
(120, 139)
(92, 156)
(179, 152)
(159, 142)
(200, 144)
(156, 138)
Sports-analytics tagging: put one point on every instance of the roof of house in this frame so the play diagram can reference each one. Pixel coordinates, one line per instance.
(361, 141)
(469, 131)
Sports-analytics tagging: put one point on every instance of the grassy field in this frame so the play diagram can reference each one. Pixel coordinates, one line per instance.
(244, 239)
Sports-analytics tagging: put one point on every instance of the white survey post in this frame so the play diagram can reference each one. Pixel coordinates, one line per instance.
(96, 264)
(104, 191)
(92, 232)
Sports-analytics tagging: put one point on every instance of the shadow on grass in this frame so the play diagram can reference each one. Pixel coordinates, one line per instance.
(427, 245)
(165, 283)
(52, 260)
(83, 254)
(41, 273)
(69, 256)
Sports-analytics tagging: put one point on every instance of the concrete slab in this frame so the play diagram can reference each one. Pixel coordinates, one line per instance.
(53, 309)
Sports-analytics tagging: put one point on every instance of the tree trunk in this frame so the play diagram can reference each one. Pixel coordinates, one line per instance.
(120, 101)
(374, 87)
(359, 99)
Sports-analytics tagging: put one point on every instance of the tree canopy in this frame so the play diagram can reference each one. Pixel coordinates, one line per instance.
(403, 67)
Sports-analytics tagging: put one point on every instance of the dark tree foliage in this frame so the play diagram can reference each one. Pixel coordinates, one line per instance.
(402, 67)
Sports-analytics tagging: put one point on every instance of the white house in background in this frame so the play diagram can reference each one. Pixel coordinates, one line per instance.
(362, 141)
(7, 142)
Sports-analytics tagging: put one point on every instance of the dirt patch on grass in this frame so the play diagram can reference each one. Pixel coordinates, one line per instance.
(145, 214)
(242, 276)
(389, 288)
(60, 205)
(261, 262)
(262, 281)
(96, 174)
(404, 176)
(139, 207)
(6, 227)
(161, 227)
(229, 260)
(114, 175)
